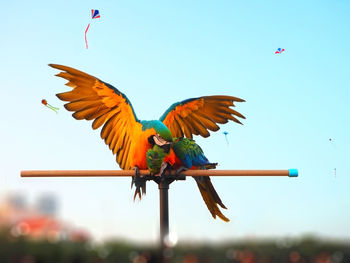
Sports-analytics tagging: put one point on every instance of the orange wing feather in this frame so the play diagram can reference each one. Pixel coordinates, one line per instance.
(93, 99)
(198, 115)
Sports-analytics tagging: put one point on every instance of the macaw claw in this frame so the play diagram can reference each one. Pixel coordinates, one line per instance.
(163, 168)
(139, 182)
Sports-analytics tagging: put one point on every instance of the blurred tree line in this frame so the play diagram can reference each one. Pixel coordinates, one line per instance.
(307, 249)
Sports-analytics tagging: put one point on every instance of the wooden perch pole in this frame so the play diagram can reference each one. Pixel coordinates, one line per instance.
(163, 186)
(124, 173)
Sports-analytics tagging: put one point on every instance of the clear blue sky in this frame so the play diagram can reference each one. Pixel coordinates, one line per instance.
(158, 53)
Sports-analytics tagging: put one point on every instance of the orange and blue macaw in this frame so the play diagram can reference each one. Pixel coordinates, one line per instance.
(129, 137)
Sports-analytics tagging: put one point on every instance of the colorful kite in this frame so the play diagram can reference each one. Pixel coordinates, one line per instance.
(94, 14)
(279, 50)
(49, 106)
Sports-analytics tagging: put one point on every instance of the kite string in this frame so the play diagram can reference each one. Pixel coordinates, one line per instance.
(334, 148)
(85, 35)
(55, 109)
(52, 108)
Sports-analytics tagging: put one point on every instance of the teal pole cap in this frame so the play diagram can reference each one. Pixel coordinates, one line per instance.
(293, 173)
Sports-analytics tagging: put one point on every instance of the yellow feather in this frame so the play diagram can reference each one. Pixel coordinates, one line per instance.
(101, 110)
(125, 154)
(82, 114)
(206, 121)
(71, 70)
(81, 105)
(119, 139)
(198, 126)
(224, 97)
(109, 125)
(229, 117)
(117, 126)
(119, 144)
(231, 111)
(190, 126)
(176, 129)
(184, 128)
(104, 118)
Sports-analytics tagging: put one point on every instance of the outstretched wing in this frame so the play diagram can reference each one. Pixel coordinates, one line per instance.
(198, 115)
(93, 99)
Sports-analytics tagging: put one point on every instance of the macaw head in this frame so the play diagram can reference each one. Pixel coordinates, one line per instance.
(157, 140)
(162, 135)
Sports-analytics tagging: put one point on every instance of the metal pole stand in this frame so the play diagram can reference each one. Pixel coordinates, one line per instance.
(163, 185)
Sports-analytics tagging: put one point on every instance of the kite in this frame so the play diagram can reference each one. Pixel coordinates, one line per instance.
(279, 50)
(226, 133)
(49, 106)
(94, 14)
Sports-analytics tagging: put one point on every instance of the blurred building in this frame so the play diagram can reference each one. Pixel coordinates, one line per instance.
(39, 221)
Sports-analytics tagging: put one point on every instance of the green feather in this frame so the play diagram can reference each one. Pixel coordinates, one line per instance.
(154, 159)
(191, 154)
(184, 146)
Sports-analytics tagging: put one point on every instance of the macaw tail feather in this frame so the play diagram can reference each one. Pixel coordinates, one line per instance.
(210, 166)
(210, 197)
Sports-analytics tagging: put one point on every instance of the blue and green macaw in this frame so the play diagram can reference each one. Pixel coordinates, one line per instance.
(186, 154)
(127, 136)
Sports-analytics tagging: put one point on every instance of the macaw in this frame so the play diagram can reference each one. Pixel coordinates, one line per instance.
(129, 137)
(187, 154)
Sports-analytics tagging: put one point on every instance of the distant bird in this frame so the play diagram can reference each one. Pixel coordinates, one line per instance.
(130, 138)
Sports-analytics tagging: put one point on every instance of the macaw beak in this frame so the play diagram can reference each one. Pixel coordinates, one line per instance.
(159, 140)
